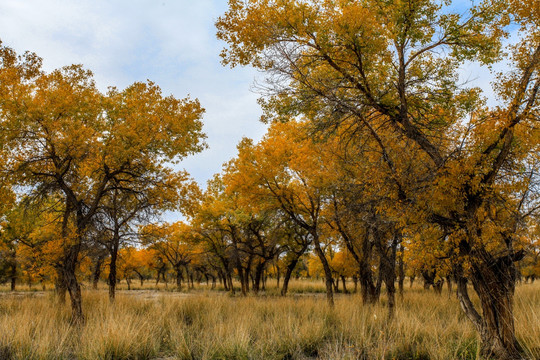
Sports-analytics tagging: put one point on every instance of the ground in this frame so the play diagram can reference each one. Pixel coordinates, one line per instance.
(208, 324)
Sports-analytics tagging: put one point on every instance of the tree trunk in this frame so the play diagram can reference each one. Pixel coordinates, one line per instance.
(258, 276)
(388, 269)
(223, 279)
(344, 285)
(97, 272)
(60, 286)
(438, 286)
(178, 272)
(401, 271)
(495, 288)
(141, 278)
(230, 281)
(69, 265)
(327, 271)
(367, 287)
(290, 268)
(112, 272)
(278, 275)
(370, 293)
(13, 275)
(494, 284)
(243, 287)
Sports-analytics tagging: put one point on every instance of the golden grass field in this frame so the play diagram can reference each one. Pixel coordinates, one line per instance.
(204, 324)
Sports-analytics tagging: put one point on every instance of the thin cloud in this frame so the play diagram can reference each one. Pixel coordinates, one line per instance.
(172, 43)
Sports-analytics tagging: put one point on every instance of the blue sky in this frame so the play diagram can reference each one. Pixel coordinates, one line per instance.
(172, 43)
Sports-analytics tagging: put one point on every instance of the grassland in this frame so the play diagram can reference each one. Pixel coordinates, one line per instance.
(203, 324)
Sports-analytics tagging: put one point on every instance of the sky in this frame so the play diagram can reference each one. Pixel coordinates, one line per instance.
(171, 42)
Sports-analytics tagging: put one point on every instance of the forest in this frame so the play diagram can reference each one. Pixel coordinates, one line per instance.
(391, 210)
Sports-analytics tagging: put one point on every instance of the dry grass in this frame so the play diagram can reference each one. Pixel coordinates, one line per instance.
(213, 325)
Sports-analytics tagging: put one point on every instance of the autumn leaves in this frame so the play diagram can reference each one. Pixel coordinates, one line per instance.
(100, 156)
(458, 170)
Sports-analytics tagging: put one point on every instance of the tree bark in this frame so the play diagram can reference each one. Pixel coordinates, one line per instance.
(60, 286)
(290, 268)
(345, 291)
(327, 271)
(178, 272)
(370, 294)
(97, 272)
(494, 283)
(69, 265)
(13, 275)
(401, 271)
(259, 269)
(112, 273)
(388, 269)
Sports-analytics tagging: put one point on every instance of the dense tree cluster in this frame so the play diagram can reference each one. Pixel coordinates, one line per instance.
(377, 163)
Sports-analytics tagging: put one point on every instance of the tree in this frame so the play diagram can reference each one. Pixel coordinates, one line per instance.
(28, 239)
(286, 169)
(176, 242)
(64, 137)
(127, 207)
(392, 67)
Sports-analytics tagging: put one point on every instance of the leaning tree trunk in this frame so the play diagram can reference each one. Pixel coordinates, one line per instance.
(287, 277)
(494, 282)
(69, 265)
(290, 268)
(327, 271)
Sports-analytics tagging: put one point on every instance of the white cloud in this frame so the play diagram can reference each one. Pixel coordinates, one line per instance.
(172, 43)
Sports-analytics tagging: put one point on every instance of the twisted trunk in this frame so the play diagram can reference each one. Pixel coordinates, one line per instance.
(69, 265)
(494, 282)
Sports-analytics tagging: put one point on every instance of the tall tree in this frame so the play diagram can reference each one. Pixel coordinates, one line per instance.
(286, 169)
(392, 67)
(65, 137)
